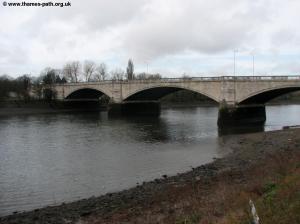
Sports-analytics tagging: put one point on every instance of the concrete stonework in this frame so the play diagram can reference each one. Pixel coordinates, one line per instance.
(232, 90)
(241, 99)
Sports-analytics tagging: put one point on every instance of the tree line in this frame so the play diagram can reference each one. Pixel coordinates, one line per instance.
(89, 71)
(26, 86)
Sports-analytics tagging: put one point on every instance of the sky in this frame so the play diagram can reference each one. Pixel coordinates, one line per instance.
(170, 37)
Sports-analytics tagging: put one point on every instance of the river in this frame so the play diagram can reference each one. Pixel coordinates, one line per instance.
(53, 158)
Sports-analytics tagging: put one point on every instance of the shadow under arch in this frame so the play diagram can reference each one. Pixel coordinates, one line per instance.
(156, 93)
(86, 99)
(86, 93)
(267, 95)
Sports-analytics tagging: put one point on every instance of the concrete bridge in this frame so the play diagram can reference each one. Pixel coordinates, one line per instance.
(238, 97)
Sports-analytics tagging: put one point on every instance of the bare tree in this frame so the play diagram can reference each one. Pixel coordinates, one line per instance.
(141, 76)
(71, 71)
(101, 72)
(154, 76)
(76, 67)
(117, 74)
(130, 70)
(89, 68)
(144, 76)
(67, 72)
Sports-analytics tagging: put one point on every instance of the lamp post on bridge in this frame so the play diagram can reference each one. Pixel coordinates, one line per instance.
(234, 52)
(147, 66)
(234, 82)
(253, 63)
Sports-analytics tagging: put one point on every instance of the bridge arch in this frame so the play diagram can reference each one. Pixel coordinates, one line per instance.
(86, 93)
(265, 95)
(154, 93)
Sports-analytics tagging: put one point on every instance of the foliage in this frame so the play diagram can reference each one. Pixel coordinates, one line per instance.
(130, 70)
(189, 219)
(26, 87)
(144, 76)
(49, 94)
(281, 203)
(72, 70)
(101, 72)
(117, 74)
(278, 200)
(89, 68)
(20, 87)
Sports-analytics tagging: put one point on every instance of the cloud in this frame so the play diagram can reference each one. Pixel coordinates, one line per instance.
(167, 34)
(172, 26)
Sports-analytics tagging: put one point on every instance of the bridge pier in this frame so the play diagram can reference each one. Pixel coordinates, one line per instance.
(132, 108)
(233, 115)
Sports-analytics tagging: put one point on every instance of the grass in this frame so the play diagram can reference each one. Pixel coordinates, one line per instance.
(273, 185)
(276, 196)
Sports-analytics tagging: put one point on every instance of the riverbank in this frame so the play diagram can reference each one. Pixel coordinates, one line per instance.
(261, 166)
(16, 107)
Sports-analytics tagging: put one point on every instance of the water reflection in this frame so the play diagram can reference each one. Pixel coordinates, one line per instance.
(145, 129)
(242, 129)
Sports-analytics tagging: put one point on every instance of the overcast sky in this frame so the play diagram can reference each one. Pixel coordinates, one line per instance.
(172, 37)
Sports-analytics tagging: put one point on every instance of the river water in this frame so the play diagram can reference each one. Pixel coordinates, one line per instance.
(55, 158)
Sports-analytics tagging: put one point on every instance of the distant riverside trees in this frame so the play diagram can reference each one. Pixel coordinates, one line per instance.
(89, 68)
(18, 88)
(117, 74)
(130, 70)
(144, 76)
(71, 71)
(27, 87)
(90, 71)
(101, 72)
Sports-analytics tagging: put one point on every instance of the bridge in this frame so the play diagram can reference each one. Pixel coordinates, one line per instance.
(239, 97)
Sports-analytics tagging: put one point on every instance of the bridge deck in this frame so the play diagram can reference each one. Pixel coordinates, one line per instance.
(209, 78)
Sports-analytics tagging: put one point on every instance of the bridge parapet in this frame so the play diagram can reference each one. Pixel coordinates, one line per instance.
(231, 89)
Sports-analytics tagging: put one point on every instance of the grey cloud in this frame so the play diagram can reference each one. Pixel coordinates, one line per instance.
(89, 15)
(207, 27)
(144, 29)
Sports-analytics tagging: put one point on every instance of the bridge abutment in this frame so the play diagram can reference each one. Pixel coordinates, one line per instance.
(132, 108)
(233, 115)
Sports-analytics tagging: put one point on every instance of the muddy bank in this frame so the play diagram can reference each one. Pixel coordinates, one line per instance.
(168, 199)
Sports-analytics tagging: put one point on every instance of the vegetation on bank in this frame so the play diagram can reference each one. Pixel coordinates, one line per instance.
(273, 185)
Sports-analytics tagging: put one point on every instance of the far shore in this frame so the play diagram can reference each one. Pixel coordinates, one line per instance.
(18, 107)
